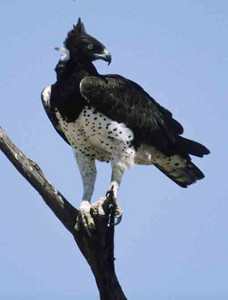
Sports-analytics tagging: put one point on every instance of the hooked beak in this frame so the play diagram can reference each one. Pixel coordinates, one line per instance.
(106, 56)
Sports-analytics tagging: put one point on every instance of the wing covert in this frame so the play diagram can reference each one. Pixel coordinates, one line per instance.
(126, 102)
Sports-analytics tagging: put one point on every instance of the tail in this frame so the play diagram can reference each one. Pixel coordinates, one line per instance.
(176, 164)
(178, 167)
(191, 147)
(183, 176)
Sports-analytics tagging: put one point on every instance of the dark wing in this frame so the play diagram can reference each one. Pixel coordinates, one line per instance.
(126, 102)
(45, 97)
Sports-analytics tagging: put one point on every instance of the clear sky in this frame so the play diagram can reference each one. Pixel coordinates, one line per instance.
(172, 243)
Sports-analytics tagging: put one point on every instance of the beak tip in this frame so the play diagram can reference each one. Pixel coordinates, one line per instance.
(106, 55)
(109, 60)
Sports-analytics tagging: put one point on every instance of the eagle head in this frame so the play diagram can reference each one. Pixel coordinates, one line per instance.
(82, 46)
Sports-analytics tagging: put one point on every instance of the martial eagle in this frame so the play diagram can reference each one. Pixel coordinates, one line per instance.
(112, 119)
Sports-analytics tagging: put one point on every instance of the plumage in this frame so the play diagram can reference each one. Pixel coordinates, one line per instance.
(111, 118)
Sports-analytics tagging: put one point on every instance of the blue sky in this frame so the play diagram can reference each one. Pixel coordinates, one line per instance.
(172, 243)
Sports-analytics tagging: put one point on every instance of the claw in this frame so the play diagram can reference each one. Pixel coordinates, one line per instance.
(118, 220)
(97, 207)
(87, 212)
(118, 214)
(110, 193)
(84, 218)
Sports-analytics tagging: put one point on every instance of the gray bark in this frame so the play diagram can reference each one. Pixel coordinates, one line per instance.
(97, 249)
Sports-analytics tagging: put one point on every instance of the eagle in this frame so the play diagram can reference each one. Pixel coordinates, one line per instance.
(112, 119)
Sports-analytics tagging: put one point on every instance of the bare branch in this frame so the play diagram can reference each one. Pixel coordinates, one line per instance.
(65, 212)
(97, 249)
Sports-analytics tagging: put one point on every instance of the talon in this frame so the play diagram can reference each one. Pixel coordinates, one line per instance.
(118, 220)
(84, 218)
(110, 193)
(97, 207)
(77, 224)
(118, 213)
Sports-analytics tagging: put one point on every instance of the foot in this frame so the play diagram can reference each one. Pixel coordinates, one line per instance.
(87, 212)
(97, 207)
(84, 218)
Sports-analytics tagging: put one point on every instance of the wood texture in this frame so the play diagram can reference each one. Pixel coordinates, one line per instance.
(98, 249)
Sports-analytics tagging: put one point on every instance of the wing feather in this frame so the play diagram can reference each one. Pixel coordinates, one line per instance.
(45, 97)
(125, 101)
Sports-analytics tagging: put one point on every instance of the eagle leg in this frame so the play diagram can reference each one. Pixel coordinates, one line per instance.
(88, 173)
(121, 162)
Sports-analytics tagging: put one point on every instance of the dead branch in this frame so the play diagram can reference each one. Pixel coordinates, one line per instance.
(97, 249)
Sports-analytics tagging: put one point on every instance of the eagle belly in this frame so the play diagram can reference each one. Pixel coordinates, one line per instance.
(97, 136)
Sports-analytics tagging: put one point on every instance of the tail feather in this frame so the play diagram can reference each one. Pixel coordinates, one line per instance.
(192, 147)
(184, 175)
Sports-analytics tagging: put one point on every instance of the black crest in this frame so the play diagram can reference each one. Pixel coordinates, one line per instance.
(74, 36)
(79, 27)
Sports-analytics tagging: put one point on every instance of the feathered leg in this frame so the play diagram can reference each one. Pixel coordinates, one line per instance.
(88, 173)
(120, 163)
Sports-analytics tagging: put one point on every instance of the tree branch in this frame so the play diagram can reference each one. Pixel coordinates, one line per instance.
(64, 211)
(97, 249)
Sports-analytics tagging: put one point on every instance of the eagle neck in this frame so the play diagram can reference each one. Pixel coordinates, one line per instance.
(66, 96)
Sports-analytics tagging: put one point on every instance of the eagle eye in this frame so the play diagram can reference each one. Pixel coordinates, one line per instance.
(90, 46)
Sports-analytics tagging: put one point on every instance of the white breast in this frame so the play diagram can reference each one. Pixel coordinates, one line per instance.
(96, 135)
